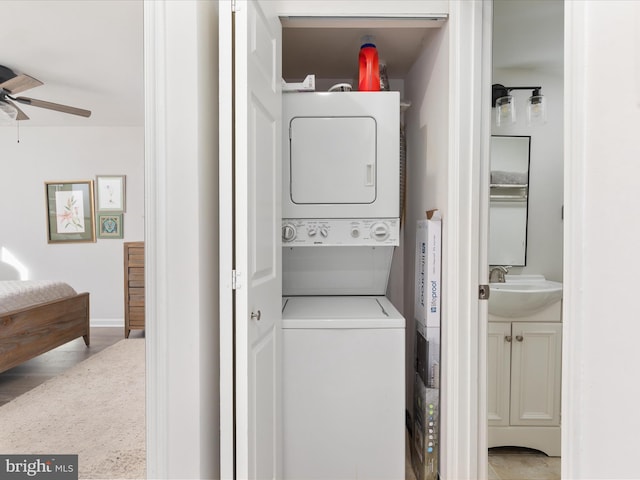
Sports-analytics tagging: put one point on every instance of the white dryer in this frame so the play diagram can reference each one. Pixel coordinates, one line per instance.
(341, 155)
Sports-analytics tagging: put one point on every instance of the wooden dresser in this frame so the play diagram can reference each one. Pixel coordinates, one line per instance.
(133, 287)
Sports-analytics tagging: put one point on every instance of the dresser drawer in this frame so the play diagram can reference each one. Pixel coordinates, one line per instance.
(136, 257)
(136, 277)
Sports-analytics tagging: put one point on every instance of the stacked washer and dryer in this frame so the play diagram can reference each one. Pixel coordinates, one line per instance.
(343, 340)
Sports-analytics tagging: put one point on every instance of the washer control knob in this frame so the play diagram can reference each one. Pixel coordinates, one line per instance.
(355, 232)
(288, 232)
(324, 231)
(312, 232)
(380, 231)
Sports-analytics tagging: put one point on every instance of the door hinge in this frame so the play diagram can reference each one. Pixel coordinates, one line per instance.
(483, 292)
(235, 280)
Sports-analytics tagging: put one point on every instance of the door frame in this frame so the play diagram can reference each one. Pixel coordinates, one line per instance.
(464, 423)
(463, 377)
(181, 239)
(226, 216)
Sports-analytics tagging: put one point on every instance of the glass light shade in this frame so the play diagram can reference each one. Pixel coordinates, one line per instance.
(8, 113)
(537, 110)
(505, 111)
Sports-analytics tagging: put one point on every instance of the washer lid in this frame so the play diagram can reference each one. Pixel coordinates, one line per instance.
(340, 312)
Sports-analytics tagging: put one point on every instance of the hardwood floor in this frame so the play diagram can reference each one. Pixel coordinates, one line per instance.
(22, 378)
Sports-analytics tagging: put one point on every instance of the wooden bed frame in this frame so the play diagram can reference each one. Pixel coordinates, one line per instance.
(31, 331)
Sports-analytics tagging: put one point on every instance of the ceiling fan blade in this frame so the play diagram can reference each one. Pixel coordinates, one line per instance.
(52, 106)
(21, 115)
(20, 83)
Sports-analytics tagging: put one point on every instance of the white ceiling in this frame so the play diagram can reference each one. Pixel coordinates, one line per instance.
(88, 54)
(528, 34)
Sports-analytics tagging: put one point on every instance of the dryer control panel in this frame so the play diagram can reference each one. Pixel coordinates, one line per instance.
(301, 232)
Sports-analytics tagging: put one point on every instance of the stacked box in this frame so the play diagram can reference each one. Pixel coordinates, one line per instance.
(427, 362)
(428, 260)
(425, 445)
(428, 298)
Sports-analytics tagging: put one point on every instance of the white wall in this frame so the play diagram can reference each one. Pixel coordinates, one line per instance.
(544, 234)
(600, 416)
(427, 126)
(62, 154)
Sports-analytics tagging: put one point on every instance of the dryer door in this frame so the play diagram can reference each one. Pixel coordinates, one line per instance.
(333, 160)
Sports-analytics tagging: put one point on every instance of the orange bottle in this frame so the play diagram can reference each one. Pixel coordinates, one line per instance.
(369, 77)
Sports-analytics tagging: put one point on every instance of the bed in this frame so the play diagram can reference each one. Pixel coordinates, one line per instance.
(37, 316)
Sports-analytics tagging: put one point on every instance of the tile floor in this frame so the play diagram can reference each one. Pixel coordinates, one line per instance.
(508, 463)
(512, 463)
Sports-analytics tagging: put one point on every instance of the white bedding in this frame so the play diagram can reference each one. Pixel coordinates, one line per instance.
(18, 294)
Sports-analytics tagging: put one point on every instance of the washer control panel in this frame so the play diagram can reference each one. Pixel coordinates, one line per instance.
(299, 232)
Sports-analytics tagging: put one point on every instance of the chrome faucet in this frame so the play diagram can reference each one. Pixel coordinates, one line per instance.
(497, 273)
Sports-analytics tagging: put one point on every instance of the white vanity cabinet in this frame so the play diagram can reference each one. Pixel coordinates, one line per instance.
(524, 381)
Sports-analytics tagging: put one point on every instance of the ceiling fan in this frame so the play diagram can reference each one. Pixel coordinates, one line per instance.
(12, 83)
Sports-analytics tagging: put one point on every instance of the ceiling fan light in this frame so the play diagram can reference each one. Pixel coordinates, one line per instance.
(9, 113)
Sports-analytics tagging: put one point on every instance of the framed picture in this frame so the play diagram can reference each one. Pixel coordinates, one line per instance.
(110, 225)
(70, 208)
(110, 193)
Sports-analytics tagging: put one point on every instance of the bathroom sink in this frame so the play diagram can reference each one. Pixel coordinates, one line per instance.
(523, 295)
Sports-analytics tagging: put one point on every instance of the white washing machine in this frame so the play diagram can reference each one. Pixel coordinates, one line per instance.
(343, 398)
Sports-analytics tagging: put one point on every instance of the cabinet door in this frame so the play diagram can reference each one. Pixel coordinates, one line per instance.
(535, 374)
(498, 373)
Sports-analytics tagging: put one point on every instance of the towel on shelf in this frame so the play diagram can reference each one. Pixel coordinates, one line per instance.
(499, 177)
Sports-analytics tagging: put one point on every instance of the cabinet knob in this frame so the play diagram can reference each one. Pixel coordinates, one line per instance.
(256, 316)
(507, 338)
(519, 338)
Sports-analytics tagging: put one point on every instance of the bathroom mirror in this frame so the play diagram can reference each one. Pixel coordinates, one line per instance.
(508, 205)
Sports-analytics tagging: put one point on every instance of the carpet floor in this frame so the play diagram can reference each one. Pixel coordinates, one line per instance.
(95, 410)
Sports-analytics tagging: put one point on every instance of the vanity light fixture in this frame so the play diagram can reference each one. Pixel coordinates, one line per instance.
(505, 106)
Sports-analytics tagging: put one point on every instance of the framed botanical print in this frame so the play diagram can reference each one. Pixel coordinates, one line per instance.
(70, 211)
(111, 193)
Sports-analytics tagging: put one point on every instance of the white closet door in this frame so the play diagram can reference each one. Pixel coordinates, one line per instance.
(256, 179)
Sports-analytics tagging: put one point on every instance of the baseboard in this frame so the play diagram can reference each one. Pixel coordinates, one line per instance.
(107, 322)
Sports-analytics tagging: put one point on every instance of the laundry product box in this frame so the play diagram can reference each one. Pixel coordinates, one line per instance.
(425, 447)
(428, 268)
